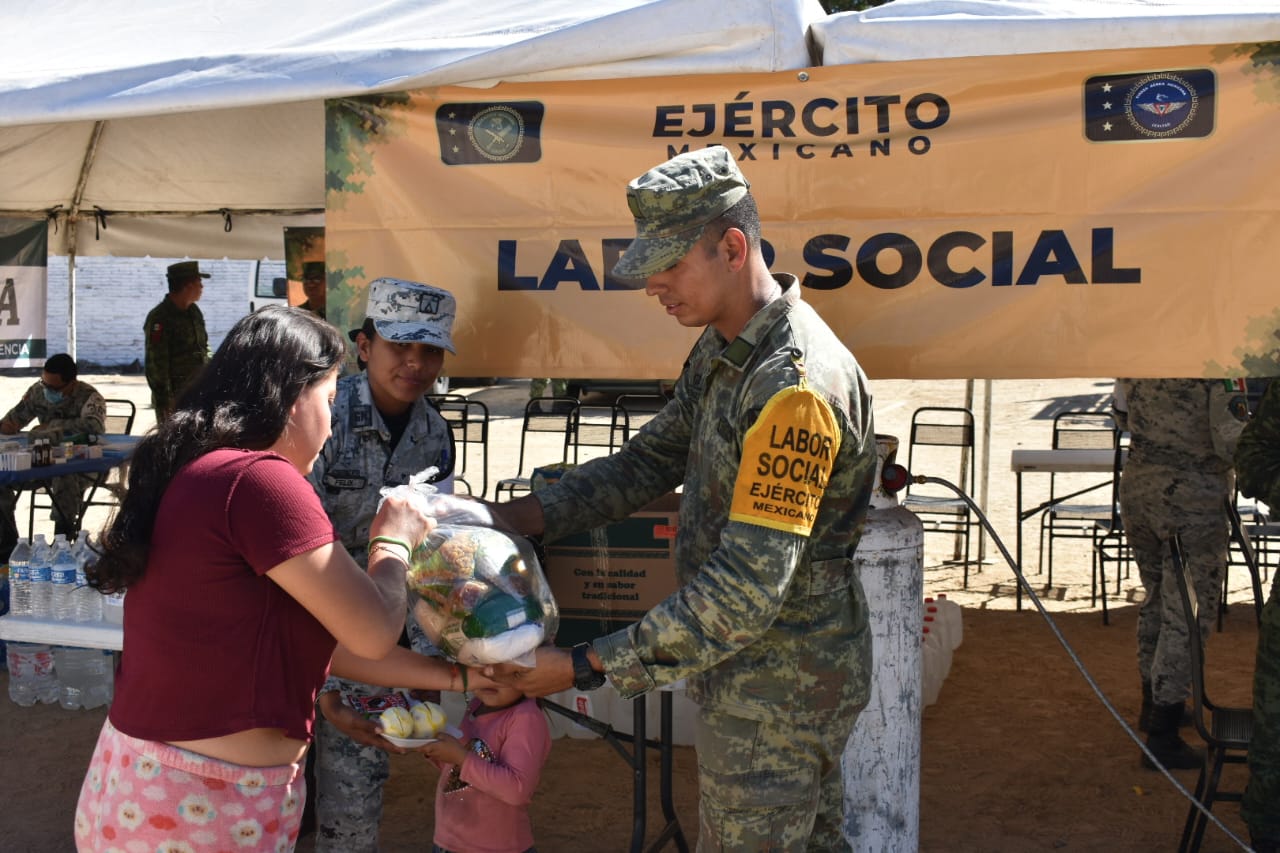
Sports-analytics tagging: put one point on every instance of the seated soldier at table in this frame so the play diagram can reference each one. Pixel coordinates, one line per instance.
(60, 403)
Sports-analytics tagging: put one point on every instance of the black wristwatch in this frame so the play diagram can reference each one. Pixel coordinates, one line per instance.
(584, 677)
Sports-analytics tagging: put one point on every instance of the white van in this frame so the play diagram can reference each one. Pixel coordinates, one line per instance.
(268, 284)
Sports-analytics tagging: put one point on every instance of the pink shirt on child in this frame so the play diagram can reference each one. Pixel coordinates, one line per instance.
(492, 815)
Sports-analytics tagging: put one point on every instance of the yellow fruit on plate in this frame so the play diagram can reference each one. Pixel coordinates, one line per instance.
(428, 719)
(397, 722)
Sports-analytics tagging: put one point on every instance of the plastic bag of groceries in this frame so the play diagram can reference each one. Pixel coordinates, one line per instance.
(477, 592)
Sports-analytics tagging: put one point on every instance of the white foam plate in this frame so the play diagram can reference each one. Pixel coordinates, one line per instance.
(411, 742)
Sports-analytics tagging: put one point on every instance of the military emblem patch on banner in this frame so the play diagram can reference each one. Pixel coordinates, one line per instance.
(479, 133)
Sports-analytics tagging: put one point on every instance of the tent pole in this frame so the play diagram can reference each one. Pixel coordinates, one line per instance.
(73, 217)
(71, 289)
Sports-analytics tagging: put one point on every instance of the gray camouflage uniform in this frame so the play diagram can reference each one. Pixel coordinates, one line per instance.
(356, 462)
(1176, 478)
(84, 411)
(1258, 467)
(768, 626)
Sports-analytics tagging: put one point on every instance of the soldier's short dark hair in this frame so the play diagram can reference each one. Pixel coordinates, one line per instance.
(744, 216)
(61, 365)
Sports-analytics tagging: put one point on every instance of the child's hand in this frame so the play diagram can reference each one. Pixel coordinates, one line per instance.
(446, 749)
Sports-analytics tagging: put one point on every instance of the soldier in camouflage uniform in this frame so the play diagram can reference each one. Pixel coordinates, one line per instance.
(1258, 470)
(384, 430)
(58, 402)
(1176, 479)
(770, 431)
(315, 287)
(177, 344)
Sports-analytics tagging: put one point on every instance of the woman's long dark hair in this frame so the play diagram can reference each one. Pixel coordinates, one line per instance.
(242, 398)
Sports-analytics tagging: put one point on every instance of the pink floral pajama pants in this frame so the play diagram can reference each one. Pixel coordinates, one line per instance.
(141, 796)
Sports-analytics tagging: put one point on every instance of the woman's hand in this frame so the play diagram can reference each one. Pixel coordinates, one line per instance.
(352, 723)
(400, 518)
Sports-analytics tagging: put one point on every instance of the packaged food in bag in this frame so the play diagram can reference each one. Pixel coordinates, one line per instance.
(477, 592)
(480, 595)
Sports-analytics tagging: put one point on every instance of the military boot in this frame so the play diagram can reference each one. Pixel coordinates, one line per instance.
(1144, 714)
(1165, 743)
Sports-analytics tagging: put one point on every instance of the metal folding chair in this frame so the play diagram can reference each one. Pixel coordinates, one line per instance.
(1068, 518)
(1225, 731)
(546, 436)
(469, 421)
(942, 444)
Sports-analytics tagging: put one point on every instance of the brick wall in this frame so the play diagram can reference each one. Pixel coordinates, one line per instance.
(113, 296)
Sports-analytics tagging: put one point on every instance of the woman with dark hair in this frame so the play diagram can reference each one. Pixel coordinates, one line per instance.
(240, 600)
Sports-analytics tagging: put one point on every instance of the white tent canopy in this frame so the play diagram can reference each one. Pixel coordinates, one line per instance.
(936, 29)
(163, 114)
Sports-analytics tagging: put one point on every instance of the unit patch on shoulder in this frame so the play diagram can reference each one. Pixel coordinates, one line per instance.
(786, 462)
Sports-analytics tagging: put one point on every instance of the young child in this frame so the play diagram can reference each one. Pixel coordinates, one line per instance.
(488, 776)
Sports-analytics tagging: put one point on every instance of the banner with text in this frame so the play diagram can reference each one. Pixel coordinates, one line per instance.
(24, 287)
(1067, 214)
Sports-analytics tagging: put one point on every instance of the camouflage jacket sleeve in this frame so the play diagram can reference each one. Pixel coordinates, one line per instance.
(157, 357)
(1228, 413)
(1257, 457)
(27, 409)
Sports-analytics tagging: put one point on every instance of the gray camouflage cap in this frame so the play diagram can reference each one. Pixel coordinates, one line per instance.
(672, 202)
(410, 313)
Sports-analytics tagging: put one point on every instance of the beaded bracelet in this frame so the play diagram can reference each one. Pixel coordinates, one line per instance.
(391, 540)
(384, 548)
(461, 672)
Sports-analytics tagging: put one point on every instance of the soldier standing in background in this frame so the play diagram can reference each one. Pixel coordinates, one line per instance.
(1176, 480)
(1258, 469)
(315, 286)
(770, 431)
(177, 343)
(384, 430)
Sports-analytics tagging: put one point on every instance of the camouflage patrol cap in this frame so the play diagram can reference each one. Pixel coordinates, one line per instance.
(410, 313)
(312, 269)
(672, 202)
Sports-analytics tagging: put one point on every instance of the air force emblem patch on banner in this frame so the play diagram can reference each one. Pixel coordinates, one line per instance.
(786, 462)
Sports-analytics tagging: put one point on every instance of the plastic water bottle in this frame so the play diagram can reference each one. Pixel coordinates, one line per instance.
(931, 668)
(41, 571)
(113, 608)
(102, 680)
(62, 574)
(20, 579)
(73, 676)
(951, 614)
(88, 601)
(938, 634)
(31, 678)
(85, 677)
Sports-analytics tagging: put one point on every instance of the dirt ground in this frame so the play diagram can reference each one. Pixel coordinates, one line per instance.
(1018, 753)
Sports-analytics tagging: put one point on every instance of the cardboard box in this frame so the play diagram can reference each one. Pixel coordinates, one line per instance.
(600, 593)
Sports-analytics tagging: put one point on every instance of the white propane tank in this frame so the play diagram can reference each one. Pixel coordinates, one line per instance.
(881, 764)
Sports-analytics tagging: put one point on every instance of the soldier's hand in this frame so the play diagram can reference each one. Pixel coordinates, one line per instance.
(552, 672)
(353, 724)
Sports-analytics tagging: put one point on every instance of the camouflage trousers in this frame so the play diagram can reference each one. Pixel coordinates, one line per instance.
(1155, 503)
(1261, 805)
(773, 786)
(349, 780)
(538, 387)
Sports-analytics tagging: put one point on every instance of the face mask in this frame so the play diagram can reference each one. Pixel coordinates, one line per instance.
(52, 396)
